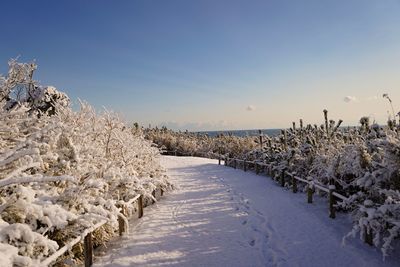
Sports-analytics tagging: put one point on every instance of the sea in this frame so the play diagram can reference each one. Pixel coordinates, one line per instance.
(243, 133)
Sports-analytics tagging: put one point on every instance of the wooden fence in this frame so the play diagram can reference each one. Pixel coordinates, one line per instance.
(282, 177)
(86, 235)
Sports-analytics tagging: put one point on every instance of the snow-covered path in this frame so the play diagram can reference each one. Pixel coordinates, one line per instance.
(225, 217)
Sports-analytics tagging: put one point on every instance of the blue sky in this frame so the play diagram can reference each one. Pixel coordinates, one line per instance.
(207, 65)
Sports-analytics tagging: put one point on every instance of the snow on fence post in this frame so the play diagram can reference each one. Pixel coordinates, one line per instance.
(332, 202)
(140, 206)
(88, 250)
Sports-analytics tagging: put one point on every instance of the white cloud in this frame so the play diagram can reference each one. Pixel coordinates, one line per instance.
(250, 108)
(349, 99)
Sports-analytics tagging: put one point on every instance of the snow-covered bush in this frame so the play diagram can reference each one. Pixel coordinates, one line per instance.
(18, 88)
(362, 162)
(61, 171)
(196, 144)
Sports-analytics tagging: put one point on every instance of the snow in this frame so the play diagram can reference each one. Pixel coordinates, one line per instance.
(220, 216)
(8, 253)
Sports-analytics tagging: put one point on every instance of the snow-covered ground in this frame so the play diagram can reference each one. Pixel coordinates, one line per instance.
(224, 217)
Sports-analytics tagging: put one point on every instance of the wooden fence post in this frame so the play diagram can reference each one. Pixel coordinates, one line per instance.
(331, 202)
(368, 236)
(154, 195)
(219, 159)
(234, 163)
(294, 184)
(121, 226)
(88, 250)
(161, 192)
(283, 177)
(310, 190)
(226, 161)
(257, 170)
(121, 221)
(140, 206)
(244, 166)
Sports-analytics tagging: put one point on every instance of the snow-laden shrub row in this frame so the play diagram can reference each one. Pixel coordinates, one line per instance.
(61, 171)
(195, 144)
(362, 162)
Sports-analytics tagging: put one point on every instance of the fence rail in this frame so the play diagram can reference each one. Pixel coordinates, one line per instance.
(332, 195)
(311, 185)
(86, 235)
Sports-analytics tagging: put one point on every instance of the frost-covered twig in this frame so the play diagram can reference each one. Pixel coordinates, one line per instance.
(35, 179)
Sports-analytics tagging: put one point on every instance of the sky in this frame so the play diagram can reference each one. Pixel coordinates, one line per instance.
(213, 64)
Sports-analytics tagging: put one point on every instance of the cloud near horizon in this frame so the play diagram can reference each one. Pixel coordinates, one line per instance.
(250, 108)
(349, 99)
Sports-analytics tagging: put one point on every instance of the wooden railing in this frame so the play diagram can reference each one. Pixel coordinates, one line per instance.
(282, 178)
(86, 235)
(311, 185)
